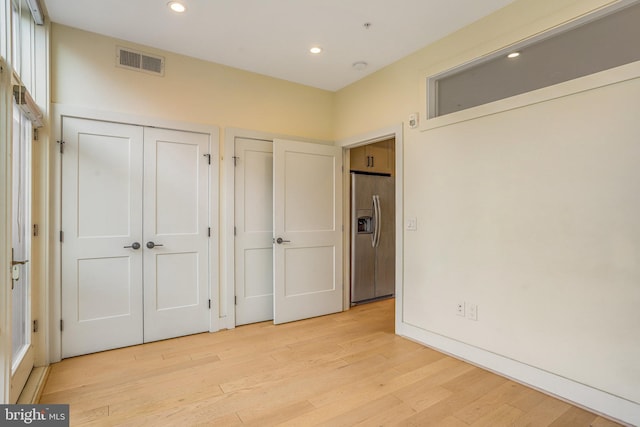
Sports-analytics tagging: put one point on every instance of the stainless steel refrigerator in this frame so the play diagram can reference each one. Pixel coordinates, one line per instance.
(372, 237)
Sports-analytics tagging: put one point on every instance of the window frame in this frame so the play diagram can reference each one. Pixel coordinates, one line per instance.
(430, 91)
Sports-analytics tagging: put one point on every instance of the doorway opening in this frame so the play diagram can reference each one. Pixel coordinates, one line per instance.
(377, 154)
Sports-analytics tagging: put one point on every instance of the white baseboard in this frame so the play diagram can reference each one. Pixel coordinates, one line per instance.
(600, 402)
(34, 386)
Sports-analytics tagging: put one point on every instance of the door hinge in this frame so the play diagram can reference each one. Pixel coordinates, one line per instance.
(235, 300)
(61, 146)
(35, 230)
(235, 230)
(35, 325)
(209, 304)
(235, 160)
(208, 156)
(35, 134)
(209, 232)
(61, 325)
(61, 236)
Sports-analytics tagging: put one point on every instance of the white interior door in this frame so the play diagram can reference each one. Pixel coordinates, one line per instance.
(176, 229)
(307, 191)
(101, 220)
(254, 230)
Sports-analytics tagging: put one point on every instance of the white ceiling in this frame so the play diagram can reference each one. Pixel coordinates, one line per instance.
(272, 37)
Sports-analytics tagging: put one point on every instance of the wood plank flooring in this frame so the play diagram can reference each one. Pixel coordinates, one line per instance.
(347, 369)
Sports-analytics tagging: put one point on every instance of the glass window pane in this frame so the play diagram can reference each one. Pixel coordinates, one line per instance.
(594, 46)
(21, 235)
(26, 46)
(15, 35)
(5, 29)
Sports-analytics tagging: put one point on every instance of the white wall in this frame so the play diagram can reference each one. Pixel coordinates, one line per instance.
(530, 213)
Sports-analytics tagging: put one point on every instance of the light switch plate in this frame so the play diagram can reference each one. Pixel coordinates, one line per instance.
(412, 224)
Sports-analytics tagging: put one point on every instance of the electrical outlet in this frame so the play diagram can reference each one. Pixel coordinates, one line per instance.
(412, 224)
(460, 308)
(472, 312)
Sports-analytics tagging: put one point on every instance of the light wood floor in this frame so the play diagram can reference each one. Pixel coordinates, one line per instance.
(341, 370)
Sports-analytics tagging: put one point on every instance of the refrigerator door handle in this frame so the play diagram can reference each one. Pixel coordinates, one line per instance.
(378, 221)
(374, 212)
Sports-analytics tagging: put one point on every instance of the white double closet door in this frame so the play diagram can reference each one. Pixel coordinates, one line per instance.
(135, 245)
(288, 230)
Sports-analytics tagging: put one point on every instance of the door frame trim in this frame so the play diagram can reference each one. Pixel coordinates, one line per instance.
(227, 223)
(395, 131)
(5, 230)
(62, 110)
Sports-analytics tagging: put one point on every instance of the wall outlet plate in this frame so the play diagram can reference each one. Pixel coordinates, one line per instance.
(412, 224)
(460, 308)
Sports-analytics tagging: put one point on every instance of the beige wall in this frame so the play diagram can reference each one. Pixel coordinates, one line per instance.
(84, 74)
(530, 213)
(390, 95)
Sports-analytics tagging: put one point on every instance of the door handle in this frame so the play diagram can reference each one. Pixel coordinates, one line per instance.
(15, 270)
(152, 245)
(14, 262)
(280, 241)
(134, 245)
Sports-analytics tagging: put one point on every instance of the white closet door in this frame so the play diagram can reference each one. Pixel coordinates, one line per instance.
(101, 216)
(175, 246)
(254, 230)
(308, 220)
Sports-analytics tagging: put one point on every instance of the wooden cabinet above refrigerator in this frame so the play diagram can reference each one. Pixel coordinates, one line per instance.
(374, 158)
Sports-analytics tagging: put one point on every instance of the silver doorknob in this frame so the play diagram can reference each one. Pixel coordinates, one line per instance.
(134, 245)
(280, 241)
(152, 245)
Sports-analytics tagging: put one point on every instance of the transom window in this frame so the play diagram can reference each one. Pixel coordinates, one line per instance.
(599, 42)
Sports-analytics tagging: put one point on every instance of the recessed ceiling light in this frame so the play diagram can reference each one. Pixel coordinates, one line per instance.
(513, 55)
(176, 6)
(315, 50)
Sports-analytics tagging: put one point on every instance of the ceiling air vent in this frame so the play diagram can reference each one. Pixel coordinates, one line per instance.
(139, 61)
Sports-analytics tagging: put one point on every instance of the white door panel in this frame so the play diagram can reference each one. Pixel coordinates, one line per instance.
(254, 230)
(105, 168)
(101, 214)
(308, 218)
(104, 288)
(176, 224)
(309, 192)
